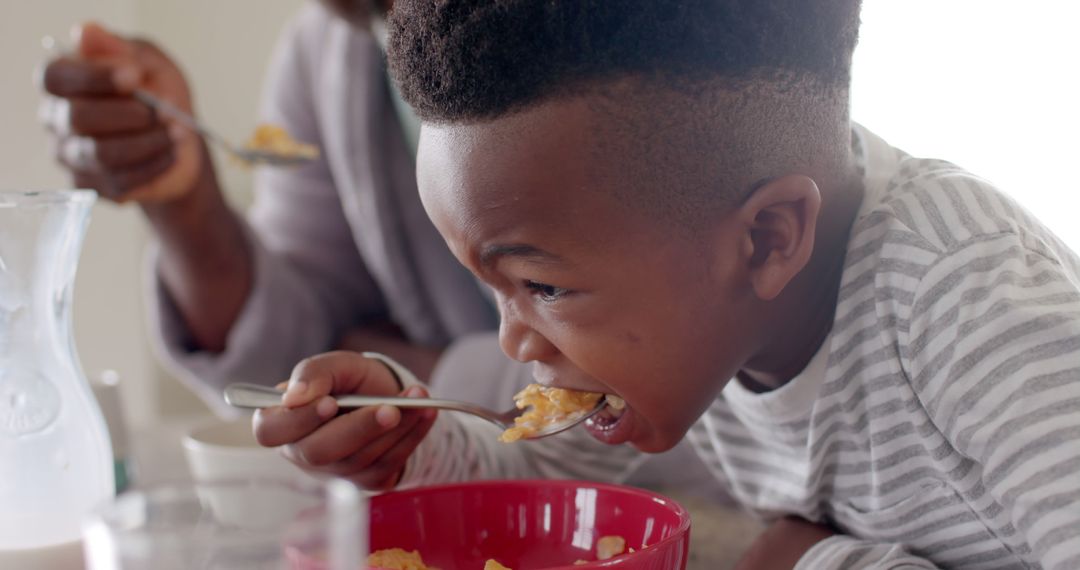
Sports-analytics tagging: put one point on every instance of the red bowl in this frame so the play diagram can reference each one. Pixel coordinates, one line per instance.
(531, 525)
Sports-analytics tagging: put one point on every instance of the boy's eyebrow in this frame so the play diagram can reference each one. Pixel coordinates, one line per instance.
(491, 253)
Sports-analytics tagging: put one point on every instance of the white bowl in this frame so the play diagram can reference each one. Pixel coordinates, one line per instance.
(226, 449)
(223, 451)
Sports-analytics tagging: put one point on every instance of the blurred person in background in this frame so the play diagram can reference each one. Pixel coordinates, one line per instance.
(338, 253)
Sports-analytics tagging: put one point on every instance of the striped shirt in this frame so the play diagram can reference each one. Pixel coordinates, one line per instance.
(937, 427)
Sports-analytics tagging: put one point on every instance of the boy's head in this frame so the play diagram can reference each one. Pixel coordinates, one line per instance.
(639, 181)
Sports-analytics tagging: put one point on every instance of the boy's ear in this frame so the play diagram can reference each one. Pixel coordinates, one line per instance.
(780, 218)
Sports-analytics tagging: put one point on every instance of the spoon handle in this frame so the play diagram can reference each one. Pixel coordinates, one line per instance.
(243, 395)
(252, 396)
(168, 109)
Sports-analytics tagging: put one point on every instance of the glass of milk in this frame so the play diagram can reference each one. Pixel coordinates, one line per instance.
(240, 524)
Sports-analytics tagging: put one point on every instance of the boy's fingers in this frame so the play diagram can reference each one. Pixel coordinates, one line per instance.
(279, 425)
(387, 416)
(340, 372)
(366, 456)
(342, 436)
(415, 392)
(385, 470)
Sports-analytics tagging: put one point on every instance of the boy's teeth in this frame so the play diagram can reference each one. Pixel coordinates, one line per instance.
(615, 405)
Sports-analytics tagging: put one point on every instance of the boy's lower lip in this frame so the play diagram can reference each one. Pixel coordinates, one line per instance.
(612, 431)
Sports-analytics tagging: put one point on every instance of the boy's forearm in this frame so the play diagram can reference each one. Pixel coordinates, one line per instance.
(783, 544)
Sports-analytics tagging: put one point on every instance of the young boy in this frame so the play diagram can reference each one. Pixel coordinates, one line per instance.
(879, 353)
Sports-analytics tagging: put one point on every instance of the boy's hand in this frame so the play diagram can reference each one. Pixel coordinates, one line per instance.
(369, 445)
(782, 544)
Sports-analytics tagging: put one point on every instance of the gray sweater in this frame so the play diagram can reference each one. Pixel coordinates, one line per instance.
(337, 242)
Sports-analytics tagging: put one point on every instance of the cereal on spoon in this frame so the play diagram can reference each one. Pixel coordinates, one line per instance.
(548, 406)
(276, 140)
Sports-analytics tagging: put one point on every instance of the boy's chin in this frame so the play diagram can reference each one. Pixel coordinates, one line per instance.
(627, 428)
(654, 445)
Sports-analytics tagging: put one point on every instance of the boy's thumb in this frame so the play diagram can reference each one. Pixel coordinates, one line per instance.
(92, 40)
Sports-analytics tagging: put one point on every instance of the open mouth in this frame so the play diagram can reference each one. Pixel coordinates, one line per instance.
(611, 412)
(611, 424)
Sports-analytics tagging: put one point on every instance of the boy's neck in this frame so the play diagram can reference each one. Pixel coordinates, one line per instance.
(810, 300)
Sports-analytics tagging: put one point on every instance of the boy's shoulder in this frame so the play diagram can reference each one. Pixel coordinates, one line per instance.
(932, 211)
(947, 208)
(932, 237)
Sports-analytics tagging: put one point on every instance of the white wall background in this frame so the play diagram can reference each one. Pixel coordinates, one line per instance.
(223, 46)
(989, 84)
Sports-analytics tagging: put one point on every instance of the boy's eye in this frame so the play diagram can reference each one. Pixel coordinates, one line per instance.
(546, 292)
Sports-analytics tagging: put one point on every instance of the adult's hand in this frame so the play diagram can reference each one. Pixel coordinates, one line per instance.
(106, 138)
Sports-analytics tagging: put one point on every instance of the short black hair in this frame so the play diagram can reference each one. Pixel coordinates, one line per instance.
(464, 60)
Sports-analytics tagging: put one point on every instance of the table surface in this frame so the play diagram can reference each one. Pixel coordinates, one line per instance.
(719, 534)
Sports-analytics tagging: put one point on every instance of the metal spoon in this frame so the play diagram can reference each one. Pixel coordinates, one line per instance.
(59, 48)
(247, 155)
(253, 396)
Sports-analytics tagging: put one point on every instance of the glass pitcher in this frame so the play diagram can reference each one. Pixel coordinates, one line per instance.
(55, 457)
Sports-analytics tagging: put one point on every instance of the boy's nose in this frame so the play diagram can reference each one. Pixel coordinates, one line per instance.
(521, 342)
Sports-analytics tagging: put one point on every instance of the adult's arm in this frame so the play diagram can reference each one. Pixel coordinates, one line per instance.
(308, 283)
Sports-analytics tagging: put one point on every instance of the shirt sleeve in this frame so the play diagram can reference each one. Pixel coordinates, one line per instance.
(846, 553)
(310, 282)
(993, 354)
